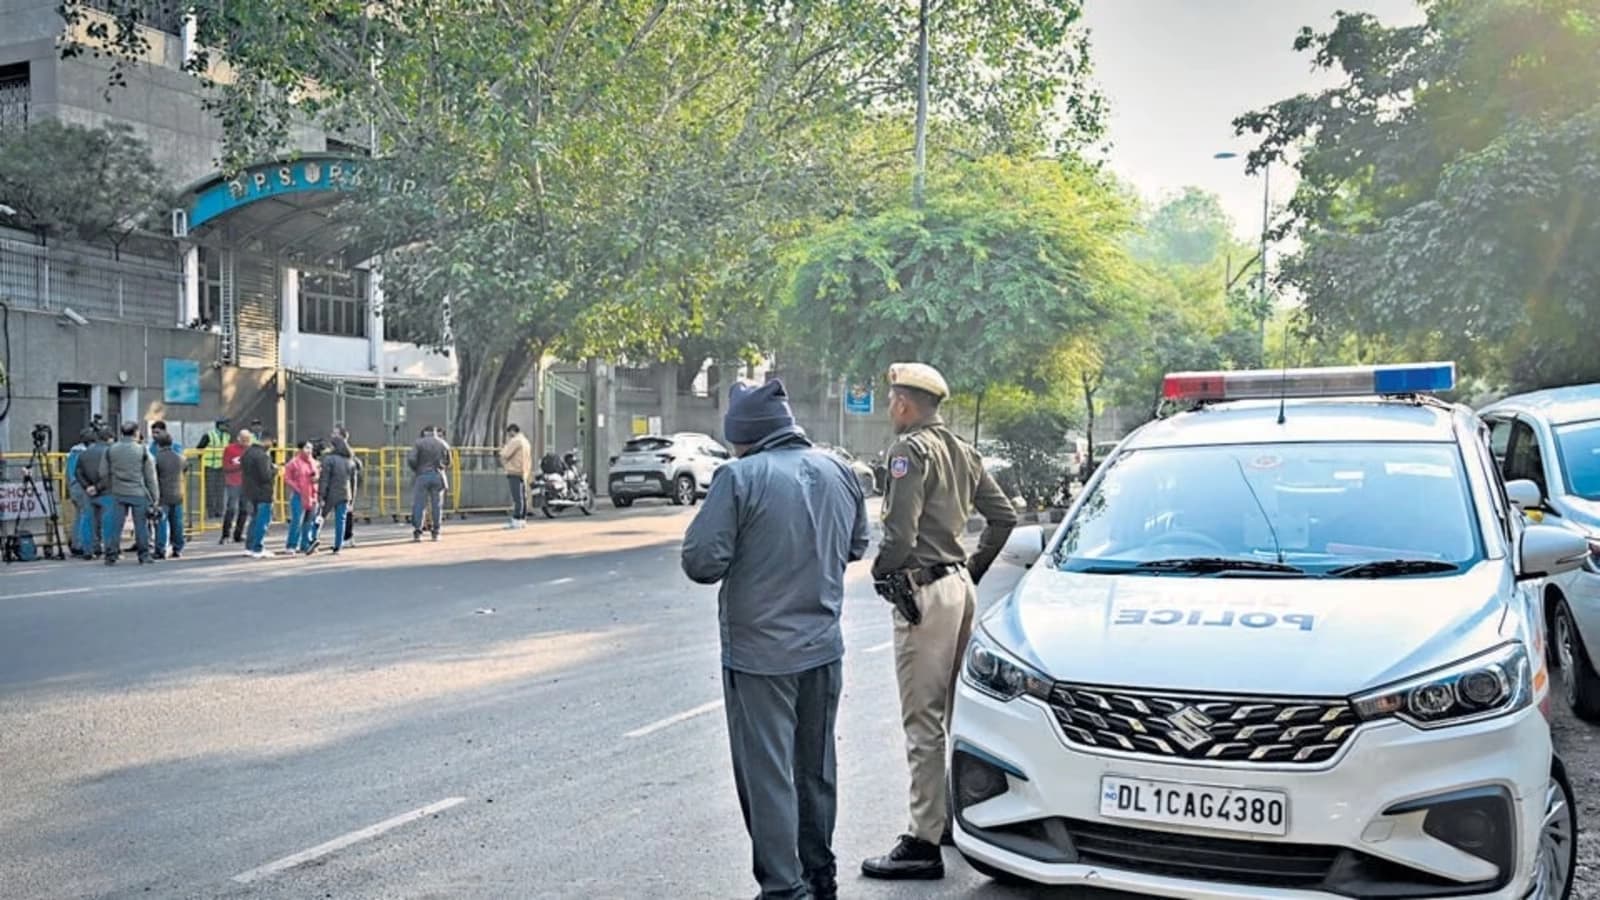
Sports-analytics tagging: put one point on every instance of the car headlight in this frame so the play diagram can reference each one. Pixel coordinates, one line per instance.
(999, 674)
(1490, 684)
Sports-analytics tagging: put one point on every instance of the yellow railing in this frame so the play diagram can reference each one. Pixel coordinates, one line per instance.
(477, 484)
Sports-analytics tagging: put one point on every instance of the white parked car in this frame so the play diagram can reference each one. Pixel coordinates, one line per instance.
(1280, 648)
(1551, 439)
(677, 467)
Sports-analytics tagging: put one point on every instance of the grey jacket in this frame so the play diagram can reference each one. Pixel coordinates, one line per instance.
(92, 469)
(338, 472)
(429, 454)
(170, 466)
(777, 530)
(130, 471)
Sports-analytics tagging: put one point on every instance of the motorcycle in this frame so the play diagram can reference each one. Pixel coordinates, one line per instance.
(561, 485)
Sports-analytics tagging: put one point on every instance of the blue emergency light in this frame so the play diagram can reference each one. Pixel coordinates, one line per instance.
(1334, 381)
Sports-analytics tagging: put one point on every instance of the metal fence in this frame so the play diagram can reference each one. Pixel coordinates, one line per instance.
(477, 484)
(90, 281)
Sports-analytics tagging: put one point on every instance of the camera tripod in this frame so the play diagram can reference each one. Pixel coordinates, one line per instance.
(46, 499)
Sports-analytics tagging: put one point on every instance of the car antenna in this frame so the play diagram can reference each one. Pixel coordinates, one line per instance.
(1283, 385)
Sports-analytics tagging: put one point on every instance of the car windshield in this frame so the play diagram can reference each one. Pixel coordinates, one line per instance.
(646, 445)
(1580, 458)
(1312, 508)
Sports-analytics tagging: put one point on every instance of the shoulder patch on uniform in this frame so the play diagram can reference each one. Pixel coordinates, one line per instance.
(899, 466)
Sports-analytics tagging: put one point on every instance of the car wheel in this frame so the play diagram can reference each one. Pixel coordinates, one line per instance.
(1580, 684)
(998, 876)
(621, 502)
(1557, 860)
(684, 491)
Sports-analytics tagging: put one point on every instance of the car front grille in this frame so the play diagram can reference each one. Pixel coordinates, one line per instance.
(1263, 863)
(1302, 731)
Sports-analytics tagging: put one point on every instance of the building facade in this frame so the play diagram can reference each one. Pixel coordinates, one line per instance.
(251, 308)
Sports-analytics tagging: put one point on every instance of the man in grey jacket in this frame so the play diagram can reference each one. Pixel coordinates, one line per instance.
(428, 460)
(131, 474)
(777, 530)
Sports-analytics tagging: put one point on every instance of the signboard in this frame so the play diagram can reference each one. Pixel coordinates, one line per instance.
(319, 173)
(180, 381)
(19, 500)
(858, 400)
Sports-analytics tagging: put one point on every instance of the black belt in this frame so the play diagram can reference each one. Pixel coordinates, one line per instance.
(929, 574)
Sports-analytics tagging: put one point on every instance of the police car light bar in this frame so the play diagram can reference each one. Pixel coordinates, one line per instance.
(1337, 381)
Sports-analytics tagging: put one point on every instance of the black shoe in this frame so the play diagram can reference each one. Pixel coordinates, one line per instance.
(145, 560)
(912, 859)
(436, 537)
(177, 554)
(161, 555)
(824, 883)
(111, 560)
(222, 540)
(416, 537)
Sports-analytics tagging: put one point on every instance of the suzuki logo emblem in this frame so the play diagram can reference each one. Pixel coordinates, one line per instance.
(1190, 728)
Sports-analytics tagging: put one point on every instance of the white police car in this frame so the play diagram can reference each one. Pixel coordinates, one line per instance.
(1285, 645)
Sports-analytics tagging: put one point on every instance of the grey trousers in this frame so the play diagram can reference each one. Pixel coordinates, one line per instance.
(781, 731)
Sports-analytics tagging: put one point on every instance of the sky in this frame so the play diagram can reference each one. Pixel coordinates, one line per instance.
(1176, 72)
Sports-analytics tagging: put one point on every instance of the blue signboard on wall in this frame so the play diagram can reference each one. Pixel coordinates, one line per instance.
(858, 401)
(180, 381)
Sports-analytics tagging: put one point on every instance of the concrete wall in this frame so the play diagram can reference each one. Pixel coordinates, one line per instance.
(106, 354)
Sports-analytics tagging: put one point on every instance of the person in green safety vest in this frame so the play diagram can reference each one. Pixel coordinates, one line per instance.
(211, 446)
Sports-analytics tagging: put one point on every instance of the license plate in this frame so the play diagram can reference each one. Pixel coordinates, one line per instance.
(1172, 803)
(633, 479)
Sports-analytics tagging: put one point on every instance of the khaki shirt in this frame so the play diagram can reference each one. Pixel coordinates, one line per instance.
(935, 481)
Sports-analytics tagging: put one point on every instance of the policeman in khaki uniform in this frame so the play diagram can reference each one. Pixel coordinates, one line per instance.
(935, 481)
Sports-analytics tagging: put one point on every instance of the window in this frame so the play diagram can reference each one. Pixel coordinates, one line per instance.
(161, 16)
(211, 262)
(16, 92)
(334, 304)
(1524, 459)
(1580, 458)
(714, 450)
(1316, 506)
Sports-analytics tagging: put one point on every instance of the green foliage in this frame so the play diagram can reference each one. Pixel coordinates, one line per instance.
(88, 183)
(1006, 257)
(1031, 426)
(1446, 203)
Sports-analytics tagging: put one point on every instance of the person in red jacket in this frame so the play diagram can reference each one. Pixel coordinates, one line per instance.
(234, 514)
(300, 476)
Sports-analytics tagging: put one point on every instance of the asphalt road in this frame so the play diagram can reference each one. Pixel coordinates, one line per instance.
(499, 715)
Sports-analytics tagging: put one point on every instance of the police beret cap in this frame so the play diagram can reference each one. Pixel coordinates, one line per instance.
(920, 376)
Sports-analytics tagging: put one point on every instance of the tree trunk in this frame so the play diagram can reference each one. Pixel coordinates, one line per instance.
(487, 388)
(1088, 405)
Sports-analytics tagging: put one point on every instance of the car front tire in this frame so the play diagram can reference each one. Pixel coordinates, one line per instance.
(1555, 870)
(1580, 684)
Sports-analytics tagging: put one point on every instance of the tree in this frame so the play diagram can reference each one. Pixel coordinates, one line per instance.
(1446, 200)
(92, 184)
(620, 148)
(1006, 257)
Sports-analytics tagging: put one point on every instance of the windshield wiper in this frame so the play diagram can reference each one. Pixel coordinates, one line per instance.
(1210, 565)
(1385, 568)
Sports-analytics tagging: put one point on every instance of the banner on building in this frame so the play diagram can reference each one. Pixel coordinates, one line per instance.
(24, 500)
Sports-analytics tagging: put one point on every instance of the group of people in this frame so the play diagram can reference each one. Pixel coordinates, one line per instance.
(777, 531)
(110, 481)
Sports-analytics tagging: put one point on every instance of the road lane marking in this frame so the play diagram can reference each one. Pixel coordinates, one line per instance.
(561, 581)
(879, 648)
(670, 721)
(339, 843)
(54, 593)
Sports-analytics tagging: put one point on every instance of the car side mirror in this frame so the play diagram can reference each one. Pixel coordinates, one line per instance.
(1026, 545)
(1524, 494)
(1549, 550)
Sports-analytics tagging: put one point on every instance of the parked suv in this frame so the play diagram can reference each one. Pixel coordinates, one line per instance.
(677, 467)
(1551, 439)
(1283, 646)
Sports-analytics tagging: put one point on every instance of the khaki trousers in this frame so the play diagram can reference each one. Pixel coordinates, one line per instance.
(927, 661)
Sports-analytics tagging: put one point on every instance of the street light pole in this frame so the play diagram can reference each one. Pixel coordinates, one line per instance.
(1266, 226)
